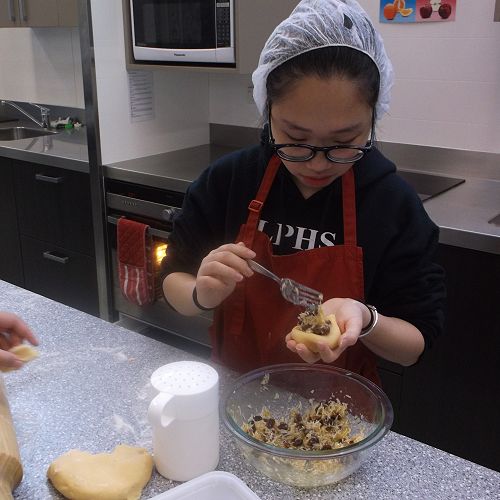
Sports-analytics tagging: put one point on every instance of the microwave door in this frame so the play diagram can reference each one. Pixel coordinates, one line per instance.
(175, 24)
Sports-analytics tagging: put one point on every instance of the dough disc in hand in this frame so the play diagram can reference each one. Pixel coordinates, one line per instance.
(120, 475)
(24, 352)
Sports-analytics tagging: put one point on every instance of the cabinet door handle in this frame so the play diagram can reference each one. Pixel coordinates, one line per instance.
(12, 15)
(48, 178)
(22, 9)
(56, 258)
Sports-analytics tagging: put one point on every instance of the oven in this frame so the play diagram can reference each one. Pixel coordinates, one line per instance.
(156, 208)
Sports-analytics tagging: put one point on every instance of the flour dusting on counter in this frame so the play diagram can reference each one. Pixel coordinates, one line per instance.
(121, 425)
(116, 352)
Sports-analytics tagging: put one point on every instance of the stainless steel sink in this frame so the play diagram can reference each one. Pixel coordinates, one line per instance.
(16, 133)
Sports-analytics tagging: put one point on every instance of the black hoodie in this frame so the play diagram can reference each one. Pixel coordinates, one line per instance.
(397, 236)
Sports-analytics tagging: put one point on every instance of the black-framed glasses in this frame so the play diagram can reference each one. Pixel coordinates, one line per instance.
(304, 152)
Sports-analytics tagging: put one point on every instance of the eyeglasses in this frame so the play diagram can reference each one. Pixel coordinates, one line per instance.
(305, 152)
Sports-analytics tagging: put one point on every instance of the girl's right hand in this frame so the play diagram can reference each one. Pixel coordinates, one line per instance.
(219, 272)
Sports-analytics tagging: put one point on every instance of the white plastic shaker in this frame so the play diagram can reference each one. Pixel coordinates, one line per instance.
(184, 417)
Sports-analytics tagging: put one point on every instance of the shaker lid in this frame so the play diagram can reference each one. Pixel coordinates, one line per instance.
(184, 378)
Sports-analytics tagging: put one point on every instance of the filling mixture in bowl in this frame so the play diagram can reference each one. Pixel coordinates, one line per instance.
(323, 426)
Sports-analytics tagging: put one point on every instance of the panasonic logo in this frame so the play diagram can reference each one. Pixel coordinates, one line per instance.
(179, 54)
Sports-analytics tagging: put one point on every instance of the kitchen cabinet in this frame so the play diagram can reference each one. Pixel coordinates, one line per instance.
(391, 377)
(11, 266)
(450, 398)
(38, 13)
(54, 205)
(63, 275)
(46, 231)
(67, 11)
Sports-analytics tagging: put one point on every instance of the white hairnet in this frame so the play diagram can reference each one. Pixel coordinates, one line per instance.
(323, 23)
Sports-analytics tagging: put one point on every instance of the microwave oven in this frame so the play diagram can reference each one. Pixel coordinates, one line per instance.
(183, 31)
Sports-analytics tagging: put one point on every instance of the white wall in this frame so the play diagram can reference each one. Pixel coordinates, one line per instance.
(447, 88)
(41, 65)
(180, 97)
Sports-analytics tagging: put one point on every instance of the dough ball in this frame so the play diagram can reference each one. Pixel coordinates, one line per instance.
(120, 475)
(24, 352)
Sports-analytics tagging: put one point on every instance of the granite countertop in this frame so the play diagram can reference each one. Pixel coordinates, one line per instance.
(66, 149)
(90, 389)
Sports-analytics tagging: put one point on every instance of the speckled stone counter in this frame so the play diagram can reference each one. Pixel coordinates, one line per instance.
(90, 390)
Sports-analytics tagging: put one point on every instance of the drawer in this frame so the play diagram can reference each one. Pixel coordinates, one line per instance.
(60, 274)
(54, 206)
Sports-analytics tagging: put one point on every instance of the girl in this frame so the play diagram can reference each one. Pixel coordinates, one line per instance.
(315, 202)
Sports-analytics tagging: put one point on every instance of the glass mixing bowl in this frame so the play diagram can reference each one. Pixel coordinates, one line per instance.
(282, 388)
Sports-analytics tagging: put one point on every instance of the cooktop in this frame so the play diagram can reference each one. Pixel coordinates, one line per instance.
(429, 185)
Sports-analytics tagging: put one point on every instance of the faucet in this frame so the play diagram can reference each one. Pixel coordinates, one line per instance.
(45, 112)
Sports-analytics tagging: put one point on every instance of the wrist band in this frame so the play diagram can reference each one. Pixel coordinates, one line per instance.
(197, 304)
(372, 323)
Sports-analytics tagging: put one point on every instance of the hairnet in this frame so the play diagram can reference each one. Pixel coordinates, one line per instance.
(315, 24)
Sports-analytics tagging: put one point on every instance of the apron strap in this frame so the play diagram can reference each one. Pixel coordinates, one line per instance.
(255, 206)
(349, 207)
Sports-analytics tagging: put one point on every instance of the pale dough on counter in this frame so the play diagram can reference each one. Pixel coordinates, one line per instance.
(120, 475)
(24, 352)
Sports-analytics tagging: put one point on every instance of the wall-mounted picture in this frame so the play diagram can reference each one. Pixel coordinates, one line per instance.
(397, 11)
(417, 11)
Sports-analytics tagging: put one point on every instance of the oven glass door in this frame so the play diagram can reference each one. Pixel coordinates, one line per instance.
(174, 24)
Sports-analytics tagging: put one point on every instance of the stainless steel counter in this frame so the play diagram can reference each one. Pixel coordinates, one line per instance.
(66, 149)
(175, 170)
(462, 213)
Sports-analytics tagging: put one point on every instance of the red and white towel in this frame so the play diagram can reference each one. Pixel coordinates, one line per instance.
(136, 279)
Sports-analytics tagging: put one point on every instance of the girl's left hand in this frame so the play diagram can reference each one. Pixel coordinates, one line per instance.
(349, 314)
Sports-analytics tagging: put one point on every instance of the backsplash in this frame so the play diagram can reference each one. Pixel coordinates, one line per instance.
(446, 89)
(41, 65)
(7, 113)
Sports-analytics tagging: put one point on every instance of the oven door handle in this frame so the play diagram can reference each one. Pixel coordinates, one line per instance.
(151, 230)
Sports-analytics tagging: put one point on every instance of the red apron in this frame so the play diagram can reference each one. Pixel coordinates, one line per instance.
(250, 326)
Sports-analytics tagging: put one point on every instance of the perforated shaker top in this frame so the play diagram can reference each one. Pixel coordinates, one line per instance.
(184, 378)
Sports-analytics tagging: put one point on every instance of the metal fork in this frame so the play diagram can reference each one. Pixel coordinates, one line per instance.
(294, 292)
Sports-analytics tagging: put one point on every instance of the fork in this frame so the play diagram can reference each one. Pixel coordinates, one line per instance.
(294, 292)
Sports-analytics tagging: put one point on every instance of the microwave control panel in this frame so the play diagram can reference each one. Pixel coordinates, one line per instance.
(223, 16)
